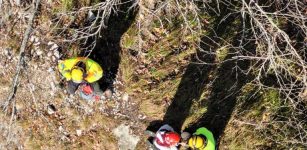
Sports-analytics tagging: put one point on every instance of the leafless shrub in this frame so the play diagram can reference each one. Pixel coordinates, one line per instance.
(8, 126)
(279, 52)
(278, 29)
(94, 20)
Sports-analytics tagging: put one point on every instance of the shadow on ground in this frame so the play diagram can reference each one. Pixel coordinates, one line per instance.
(107, 50)
(225, 87)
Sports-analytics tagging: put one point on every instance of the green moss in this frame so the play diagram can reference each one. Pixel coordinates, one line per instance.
(152, 70)
(128, 69)
(256, 107)
(128, 42)
(67, 4)
(160, 74)
(130, 37)
(272, 96)
(221, 53)
(94, 2)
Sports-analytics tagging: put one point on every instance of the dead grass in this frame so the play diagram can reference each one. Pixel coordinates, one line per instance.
(250, 119)
(60, 130)
(153, 76)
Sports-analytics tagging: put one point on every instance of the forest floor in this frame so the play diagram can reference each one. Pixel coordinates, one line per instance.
(158, 77)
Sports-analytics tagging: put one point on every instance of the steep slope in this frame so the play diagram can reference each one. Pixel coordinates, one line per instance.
(225, 65)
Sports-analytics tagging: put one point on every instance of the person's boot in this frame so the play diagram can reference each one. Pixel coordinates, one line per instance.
(185, 136)
(151, 146)
(149, 133)
(72, 87)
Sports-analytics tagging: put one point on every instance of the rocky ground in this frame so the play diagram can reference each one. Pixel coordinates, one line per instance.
(162, 66)
(43, 105)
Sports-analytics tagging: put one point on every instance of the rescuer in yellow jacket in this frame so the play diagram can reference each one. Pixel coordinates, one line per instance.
(202, 139)
(79, 70)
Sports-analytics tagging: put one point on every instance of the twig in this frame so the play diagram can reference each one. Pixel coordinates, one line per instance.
(15, 82)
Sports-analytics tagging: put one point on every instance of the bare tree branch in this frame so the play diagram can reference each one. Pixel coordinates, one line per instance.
(20, 64)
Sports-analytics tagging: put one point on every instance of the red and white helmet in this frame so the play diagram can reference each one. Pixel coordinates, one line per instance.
(87, 89)
(172, 138)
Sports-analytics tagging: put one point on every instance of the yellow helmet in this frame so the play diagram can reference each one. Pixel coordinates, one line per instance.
(77, 75)
(197, 142)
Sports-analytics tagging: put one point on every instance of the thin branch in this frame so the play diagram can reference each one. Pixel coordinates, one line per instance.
(20, 64)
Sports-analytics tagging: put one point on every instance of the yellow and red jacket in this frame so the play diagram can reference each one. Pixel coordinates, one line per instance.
(93, 70)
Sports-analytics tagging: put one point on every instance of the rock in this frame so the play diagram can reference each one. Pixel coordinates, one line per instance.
(32, 87)
(50, 43)
(51, 109)
(91, 17)
(126, 140)
(56, 54)
(37, 43)
(79, 132)
(49, 54)
(17, 2)
(61, 129)
(32, 39)
(53, 58)
(19, 106)
(108, 94)
(91, 103)
(26, 58)
(102, 97)
(125, 97)
(7, 52)
(35, 66)
(50, 70)
(39, 52)
(142, 117)
(54, 47)
(49, 2)
(53, 88)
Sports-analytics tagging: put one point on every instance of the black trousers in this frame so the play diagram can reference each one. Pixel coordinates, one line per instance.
(72, 87)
